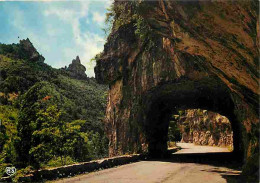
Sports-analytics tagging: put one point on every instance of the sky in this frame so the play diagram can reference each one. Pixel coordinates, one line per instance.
(59, 30)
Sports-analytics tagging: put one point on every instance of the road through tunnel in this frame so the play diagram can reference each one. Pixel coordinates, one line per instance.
(162, 102)
(168, 58)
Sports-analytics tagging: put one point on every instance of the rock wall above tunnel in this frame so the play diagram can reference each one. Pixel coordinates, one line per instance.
(163, 55)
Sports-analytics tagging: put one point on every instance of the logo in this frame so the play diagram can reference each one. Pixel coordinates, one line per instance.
(10, 171)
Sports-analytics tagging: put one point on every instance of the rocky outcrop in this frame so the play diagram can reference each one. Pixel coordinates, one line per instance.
(30, 52)
(168, 55)
(203, 127)
(24, 50)
(76, 69)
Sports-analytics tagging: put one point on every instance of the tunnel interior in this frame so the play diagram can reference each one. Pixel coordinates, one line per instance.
(206, 94)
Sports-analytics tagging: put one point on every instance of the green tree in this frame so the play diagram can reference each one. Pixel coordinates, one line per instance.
(55, 138)
(97, 145)
(47, 138)
(38, 97)
(8, 135)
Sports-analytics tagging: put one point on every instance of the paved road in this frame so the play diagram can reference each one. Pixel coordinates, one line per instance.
(187, 148)
(164, 171)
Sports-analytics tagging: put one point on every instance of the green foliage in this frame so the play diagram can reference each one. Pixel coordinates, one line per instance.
(8, 135)
(20, 75)
(56, 138)
(48, 117)
(109, 20)
(121, 13)
(117, 16)
(58, 161)
(33, 101)
(94, 60)
(50, 133)
(21, 173)
(181, 112)
(10, 49)
(143, 31)
(97, 144)
(3, 163)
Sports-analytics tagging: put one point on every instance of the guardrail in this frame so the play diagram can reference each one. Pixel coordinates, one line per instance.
(76, 169)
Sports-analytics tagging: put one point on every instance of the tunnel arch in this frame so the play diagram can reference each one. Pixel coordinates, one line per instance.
(179, 49)
(207, 94)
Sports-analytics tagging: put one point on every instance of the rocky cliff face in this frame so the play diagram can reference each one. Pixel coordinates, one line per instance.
(168, 55)
(76, 69)
(203, 127)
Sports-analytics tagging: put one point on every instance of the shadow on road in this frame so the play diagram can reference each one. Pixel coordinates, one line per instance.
(227, 164)
(231, 176)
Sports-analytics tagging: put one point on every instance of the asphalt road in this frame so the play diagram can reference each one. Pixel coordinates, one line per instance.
(174, 169)
(188, 148)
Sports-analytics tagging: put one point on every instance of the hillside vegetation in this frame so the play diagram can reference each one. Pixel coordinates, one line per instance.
(49, 117)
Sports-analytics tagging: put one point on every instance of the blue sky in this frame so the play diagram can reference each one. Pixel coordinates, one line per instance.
(59, 30)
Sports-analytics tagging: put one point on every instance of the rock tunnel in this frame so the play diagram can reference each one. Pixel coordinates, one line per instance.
(166, 55)
(207, 94)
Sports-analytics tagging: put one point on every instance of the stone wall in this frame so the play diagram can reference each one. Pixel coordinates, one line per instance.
(75, 169)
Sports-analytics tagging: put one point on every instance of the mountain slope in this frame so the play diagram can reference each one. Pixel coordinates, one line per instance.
(31, 91)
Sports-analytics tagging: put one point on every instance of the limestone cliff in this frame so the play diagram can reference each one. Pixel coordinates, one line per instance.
(168, 55)
(203, 127)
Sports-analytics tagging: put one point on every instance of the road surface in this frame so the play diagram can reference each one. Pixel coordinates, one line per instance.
(165, 170)
(187, 148)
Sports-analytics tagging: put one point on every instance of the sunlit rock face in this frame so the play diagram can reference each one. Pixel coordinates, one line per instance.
(162, 56)
(203, 127)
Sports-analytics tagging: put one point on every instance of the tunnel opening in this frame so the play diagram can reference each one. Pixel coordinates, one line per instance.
(206, 94)
(201, 128)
